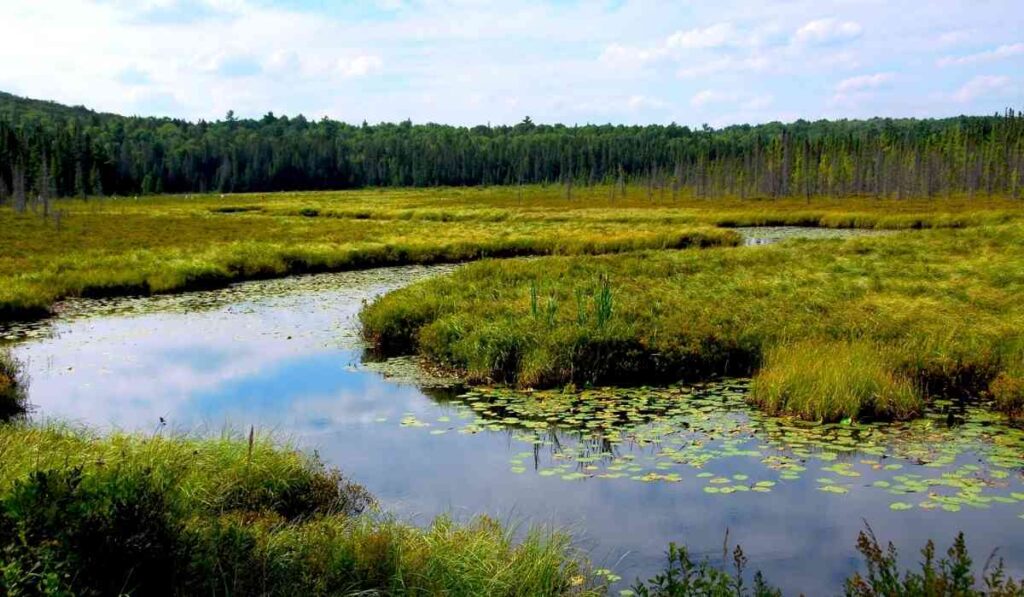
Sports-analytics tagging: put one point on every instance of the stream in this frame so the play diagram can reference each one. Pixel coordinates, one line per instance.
(625, 471)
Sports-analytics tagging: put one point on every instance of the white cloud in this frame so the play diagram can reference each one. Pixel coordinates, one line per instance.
(618, 55)
(638, 102)
(864, 82)
(711, 96)
(980, 86)
(727, 64)
(714, 36)
(359, 66)
(823, 31)
(955, 37)
(1003, 51)
(675, 47)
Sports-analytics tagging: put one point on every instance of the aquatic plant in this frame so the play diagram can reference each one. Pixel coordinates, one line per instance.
(13, 386)
(120, 514)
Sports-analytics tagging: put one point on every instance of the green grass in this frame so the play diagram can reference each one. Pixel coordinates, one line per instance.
(869, 327)
(171, 243)
(937, 300)
(12, 386)
(85, 514)
(821, 380)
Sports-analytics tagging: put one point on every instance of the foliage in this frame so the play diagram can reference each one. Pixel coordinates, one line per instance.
(950, 576)
(13, 386)
(52, 149)
(683, 578)
(88, 515)
(864, 328)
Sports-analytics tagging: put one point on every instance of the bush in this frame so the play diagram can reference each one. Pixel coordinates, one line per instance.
(13, 387)
(683, 578)
(109, 533)
(950, 576)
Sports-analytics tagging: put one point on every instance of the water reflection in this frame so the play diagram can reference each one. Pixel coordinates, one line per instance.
(283, 356)
(769, 235)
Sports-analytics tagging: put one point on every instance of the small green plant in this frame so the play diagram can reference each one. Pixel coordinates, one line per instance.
(684, 578)
(950, 576)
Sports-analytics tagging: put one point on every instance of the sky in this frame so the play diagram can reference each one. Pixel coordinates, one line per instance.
(471, 62)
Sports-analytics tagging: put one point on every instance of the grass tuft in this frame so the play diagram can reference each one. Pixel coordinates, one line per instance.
(830, 381)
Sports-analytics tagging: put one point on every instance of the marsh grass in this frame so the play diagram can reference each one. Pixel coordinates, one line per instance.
(822, 380)
(85, 514)
(120, 246)
(13, 386)
(117, 247)
(870, 327)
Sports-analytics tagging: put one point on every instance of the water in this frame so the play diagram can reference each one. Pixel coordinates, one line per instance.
(625, 471)
(769, 235)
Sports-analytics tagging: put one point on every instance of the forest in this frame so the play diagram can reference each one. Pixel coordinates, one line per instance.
(50, 150)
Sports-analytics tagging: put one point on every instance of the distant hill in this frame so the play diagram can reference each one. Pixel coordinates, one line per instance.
(63, 150)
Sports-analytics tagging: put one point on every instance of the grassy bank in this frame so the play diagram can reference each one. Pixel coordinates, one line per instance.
(83, 514)
(169, 243)
(868, 328)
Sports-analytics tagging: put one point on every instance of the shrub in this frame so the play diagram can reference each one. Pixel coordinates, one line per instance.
(950, 576)
(13, 386)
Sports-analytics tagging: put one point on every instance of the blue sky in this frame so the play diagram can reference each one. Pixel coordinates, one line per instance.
(476, 61)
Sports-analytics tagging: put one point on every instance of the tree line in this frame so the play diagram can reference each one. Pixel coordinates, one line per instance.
(49, 150)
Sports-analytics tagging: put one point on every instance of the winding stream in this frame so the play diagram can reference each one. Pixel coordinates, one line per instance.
(625, 471)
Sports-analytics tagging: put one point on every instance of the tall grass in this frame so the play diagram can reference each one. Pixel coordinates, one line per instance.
(818, 380)
(878, 324)
(122, 514)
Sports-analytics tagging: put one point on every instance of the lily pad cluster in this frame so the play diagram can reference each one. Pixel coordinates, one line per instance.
(707, 434)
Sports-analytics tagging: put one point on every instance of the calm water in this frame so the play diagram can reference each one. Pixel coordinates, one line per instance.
(627, 472)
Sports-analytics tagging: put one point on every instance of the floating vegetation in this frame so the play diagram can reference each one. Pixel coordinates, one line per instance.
(701, 434)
